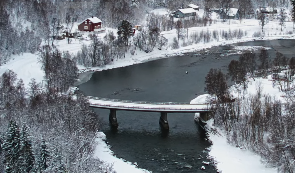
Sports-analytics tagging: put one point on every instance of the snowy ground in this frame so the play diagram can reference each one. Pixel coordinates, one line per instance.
(26, 66)
(104, 153)
(232, 159)
(229, 158)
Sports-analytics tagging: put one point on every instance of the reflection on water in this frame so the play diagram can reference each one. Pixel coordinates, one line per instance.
(160, 151)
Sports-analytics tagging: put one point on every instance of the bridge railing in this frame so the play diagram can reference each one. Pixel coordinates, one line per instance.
(148, 108)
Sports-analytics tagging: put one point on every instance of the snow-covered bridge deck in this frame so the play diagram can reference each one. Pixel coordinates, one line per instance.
(170, 107)
(162, 107)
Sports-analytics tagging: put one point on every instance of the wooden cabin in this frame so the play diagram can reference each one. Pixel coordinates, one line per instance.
(90, 24)
(186, 12)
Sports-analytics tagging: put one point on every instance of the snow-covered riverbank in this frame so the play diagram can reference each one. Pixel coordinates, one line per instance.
(248, 26)
(232, 159)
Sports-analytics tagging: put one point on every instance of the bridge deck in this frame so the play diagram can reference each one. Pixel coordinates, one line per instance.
(147, 107)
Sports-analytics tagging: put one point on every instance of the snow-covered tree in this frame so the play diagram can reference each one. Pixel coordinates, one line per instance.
(216, 83)
(262, 20)
(282, 18)
(124, 31)
(11, 148)
(179, 29)
(44, 156)
(26, 157)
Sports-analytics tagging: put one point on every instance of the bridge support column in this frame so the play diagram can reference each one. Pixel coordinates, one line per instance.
(163, 121)
(205, 116)
(113, 118)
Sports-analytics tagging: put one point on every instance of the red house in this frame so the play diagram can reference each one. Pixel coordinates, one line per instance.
(90, 24)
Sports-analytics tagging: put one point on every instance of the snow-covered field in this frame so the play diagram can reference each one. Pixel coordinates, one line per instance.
(229, 158)
(26, 66)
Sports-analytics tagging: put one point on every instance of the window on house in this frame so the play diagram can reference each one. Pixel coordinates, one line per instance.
(85, 22)
(85, 27)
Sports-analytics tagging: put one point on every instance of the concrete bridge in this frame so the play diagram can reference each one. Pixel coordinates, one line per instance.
(162, 107)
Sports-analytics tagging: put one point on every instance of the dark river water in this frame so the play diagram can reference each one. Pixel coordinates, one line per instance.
(138, 137)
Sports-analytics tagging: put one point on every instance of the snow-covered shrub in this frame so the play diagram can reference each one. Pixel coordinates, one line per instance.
(146, 40)
(196, 37)
(225, 35)
(289, 33)
(207, 36)
(238, 33)
(175, 44)
(132, 50)
(257, 34)
(162, 42)
(215, 35)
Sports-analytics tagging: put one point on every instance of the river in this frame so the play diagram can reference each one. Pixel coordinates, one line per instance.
(138, 137)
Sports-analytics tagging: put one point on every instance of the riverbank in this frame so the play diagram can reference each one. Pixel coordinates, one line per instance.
(230, 158)
(142, 57)
(250, 28)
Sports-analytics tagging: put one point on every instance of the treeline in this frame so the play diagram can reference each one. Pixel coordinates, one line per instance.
(15, 40)
(204, 36)
(257, 122)
(100, 53)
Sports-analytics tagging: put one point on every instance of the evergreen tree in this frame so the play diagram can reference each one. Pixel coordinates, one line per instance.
(26, 154)
(11, 148)
(124, 31)
(44, 156)
(58, 164)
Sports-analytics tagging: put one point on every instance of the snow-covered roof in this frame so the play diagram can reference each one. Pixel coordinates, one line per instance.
(267, 9)
(187, 10)
(94, 19)
(160, 11)
(193, 6)
(232, 11)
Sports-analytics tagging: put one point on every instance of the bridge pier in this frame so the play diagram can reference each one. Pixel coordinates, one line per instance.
(205, 116)
(163, 121)
(113, 118)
